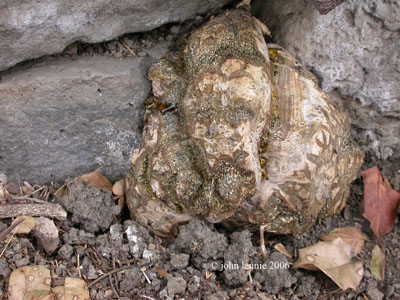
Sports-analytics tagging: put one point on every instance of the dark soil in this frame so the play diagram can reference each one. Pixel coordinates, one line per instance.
(205, 261)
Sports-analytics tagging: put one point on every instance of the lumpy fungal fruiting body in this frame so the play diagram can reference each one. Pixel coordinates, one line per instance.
(237, 131)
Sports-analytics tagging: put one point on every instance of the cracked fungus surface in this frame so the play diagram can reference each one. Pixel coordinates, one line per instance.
(237, 131)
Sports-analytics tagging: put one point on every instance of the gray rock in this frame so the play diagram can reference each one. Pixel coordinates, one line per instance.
(4, 268)
(63, 118)
(179, 261)
(33, 29)
(176, 285)
(355, 52)
(355, 48)
(66, 251)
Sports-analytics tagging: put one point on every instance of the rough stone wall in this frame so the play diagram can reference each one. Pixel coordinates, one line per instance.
(30, 29)
(355, 52)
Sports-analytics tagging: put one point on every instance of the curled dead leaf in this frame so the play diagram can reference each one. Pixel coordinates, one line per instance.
(333, 258)
(40, 295)
(61, 191)
(281, 248)
(73, 289)
(160, 272)
(119, 190)
(28, 279)
(350, 235)
(97, 180)
(378, 263)
(380, 202)
(26, 226)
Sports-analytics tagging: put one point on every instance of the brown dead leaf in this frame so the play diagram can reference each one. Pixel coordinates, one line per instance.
(97, 180)
(333, 258)
(40, 295)
(28, 279)
(378, 263)
(350, 235)
(160, 272)
(61, 191)
(380, 202)
(279, 247)
(119, 190)
(73, 289)
(26, 226)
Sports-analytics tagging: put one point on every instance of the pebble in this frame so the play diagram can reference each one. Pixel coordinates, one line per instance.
(375, 294)
(66, 252)
(174, 29)
(22, 262)
(176, 285)
(179, 261)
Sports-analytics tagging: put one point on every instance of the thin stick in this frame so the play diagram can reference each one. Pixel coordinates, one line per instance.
(111, 279)
(9, 241)
(262, 242)
(10, 228)
(108, 273)
(127, 47)
(42, 210)
(78, 265)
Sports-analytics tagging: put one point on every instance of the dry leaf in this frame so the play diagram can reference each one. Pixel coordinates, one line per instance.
(97, 180)
(378, 263)
(350, 235)
(61, 191)
(160, 272)
(28, 279)
(26, 226)
(332, 258)
(40, 295)
(73, 289)
(119, 190)
(279, 247)
(380, 202)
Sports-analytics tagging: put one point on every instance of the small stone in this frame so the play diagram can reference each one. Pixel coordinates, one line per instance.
(4, 269)
(375, 294)
(389, 291)
(22, 262)
(66, 252)
(176, 285)
(174, 29)
(179, 261)
(192, 288)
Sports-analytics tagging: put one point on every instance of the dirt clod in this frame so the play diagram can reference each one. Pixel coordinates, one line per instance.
(90, 207)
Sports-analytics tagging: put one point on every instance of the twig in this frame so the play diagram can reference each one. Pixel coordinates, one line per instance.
(108, 273)
(78, 265)
(262, 242)
(147, 278)
(9, 241)
(147, 297)
(10, 228)
(29, 199)
(127, 47)
(44, 209)
(111, 278)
